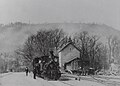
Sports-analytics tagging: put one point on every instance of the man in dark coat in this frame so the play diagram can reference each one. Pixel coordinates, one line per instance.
(26, 70)
(34, 73)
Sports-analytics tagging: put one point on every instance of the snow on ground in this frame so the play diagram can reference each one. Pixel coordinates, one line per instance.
(19, 79)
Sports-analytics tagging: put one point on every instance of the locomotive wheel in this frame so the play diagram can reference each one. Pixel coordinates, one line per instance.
(55, 75)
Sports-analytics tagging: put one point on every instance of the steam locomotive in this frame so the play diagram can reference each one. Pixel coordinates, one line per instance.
(47, 67)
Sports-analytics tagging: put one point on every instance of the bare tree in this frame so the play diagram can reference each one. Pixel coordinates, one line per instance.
(41, 43)
(90, 49)
(5, 60)
(114, 48)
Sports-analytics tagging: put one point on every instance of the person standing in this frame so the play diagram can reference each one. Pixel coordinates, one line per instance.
(26, 70)
(34, 73)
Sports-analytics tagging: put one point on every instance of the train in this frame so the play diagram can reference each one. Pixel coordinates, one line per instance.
(47, 67)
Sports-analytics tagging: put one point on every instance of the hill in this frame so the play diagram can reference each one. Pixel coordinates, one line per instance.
(14, 35)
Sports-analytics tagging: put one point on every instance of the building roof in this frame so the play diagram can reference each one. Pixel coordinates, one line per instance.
(72, 59)
(67, 45)
(73, 55)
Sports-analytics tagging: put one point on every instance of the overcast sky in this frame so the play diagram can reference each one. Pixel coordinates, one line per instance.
(39, 11)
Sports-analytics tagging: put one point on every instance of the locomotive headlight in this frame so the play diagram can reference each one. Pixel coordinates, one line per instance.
(39, 61)
(55, 59)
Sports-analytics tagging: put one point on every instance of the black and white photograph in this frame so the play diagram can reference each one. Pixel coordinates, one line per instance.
(59, 42)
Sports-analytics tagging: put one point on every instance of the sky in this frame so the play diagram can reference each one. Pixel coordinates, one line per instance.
(40, 11)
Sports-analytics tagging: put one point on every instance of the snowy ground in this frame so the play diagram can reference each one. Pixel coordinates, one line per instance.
(19, 79)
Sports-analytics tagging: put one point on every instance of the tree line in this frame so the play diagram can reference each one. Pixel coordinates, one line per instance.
(92, 51)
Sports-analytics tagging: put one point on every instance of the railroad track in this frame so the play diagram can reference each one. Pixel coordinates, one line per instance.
(106, 81)
(101, 80)
(53, 83)
(60, 83)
